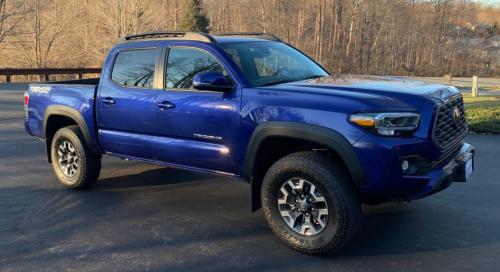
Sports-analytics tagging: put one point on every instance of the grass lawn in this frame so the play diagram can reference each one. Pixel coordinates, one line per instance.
(483, 113)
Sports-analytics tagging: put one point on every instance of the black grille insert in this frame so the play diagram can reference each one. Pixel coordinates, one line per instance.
(450, 125)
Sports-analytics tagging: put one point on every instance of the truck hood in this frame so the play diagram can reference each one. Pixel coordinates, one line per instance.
(373, 91)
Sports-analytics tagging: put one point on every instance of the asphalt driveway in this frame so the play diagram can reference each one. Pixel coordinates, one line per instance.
(149, 218)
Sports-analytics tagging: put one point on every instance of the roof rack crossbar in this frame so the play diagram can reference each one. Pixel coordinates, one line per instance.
(196, 36)
(262, 35)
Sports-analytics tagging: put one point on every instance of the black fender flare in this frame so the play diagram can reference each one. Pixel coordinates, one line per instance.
(59, 110)
(314, 133)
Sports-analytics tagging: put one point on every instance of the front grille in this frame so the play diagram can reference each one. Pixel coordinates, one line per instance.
(450, 125)
(448, 154)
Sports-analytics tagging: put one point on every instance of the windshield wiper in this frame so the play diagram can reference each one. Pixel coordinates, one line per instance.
(313, 77)
(292, 80)
(278, 82)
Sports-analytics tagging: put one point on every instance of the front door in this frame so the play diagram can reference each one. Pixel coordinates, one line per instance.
(198, 129)
(126, 104)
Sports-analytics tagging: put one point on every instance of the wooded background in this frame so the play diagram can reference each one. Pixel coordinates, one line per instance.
(387, 37)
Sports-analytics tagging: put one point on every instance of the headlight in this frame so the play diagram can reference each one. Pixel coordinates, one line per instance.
(387, 123)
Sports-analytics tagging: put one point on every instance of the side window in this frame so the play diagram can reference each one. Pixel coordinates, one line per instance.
(184, 63)
(135, 68)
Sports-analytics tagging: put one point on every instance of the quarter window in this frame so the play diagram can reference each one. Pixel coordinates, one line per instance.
(184, 63)
(135, 68)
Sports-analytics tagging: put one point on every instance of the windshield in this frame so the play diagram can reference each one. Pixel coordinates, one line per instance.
(270, 63)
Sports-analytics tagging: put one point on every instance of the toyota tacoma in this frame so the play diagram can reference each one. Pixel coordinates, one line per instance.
(313, 146)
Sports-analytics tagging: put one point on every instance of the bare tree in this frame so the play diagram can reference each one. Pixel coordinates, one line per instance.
(400, 37)
(10, 17)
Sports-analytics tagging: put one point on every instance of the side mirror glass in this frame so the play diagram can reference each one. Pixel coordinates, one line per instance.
(212, 81)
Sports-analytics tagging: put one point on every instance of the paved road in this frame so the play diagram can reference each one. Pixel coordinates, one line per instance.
(149, 218)
(487, 86)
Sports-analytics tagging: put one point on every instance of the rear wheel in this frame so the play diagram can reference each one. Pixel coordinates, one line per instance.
(74, 163)
(310, 203)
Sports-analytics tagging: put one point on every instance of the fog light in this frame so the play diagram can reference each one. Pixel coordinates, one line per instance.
(405, 165)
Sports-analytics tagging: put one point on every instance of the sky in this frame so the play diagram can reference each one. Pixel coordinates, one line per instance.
(489, 2)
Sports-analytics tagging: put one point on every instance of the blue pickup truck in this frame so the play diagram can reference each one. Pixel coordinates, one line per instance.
(313, 146)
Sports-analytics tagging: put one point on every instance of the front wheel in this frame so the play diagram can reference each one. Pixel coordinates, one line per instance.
(74, 163)
(310, 203)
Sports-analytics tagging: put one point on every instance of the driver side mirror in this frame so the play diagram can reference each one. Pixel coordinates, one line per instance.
(212, 81)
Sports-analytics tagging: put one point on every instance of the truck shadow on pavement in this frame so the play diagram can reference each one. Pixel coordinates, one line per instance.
(153, 177)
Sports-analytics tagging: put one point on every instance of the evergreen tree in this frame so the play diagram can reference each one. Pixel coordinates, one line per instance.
(194, 18)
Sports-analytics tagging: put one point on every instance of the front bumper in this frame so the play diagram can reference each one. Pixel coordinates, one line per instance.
(453, 171)
(386, 181)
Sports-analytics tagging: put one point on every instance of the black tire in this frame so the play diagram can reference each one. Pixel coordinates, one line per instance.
(343, 202)
(87, 164)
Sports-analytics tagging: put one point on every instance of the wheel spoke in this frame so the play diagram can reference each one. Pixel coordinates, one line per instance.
(321, 216)
(290, 218)
(308, 227)
(297, 185)
(283, 200)
(316, 196)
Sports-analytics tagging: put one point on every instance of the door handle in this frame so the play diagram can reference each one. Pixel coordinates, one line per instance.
(108, 101)
(166, 105)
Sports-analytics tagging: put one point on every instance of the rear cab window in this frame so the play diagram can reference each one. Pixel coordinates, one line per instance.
(135, 68)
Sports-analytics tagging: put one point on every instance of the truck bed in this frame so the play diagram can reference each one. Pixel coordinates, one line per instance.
(87, 81)
(49, 98)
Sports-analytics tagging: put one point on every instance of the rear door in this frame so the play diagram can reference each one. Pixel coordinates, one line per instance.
(198, 129)
(126, 103)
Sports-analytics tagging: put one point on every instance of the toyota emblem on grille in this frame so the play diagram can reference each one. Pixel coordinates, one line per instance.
(456, 115)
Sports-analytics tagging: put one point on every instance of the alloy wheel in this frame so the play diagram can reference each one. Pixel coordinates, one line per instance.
(302, 206)
(67, 158)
